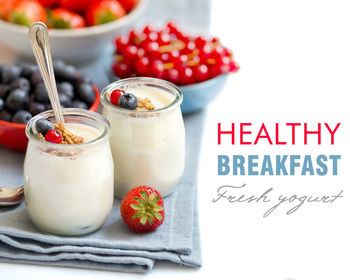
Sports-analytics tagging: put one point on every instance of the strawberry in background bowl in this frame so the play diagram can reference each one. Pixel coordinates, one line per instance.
(79, 30)
(197, 64)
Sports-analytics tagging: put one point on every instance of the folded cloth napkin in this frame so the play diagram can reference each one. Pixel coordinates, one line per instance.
(114, 246)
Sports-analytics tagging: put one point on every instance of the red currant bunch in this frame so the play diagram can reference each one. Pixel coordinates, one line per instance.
(171, 54)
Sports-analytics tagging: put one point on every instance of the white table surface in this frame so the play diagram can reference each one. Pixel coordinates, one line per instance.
(295, 59)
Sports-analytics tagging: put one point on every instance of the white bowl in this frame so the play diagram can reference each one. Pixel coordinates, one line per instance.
(71, 45)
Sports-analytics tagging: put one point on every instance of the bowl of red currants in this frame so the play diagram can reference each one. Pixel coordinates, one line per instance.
(23, 95)
(198, 65)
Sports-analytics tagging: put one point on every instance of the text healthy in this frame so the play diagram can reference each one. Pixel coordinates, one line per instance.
(295, 134)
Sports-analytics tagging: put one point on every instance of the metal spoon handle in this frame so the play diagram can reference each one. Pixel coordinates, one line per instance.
(39, 38)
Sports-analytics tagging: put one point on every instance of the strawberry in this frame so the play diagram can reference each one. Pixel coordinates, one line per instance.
(104, 11)
(62, 18)
(128, 5)
(75, 5)
(48, 3)
(142, 209)
(25, 12)
(5, 8)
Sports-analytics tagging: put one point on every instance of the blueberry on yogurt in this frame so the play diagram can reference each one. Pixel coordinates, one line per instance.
(127, 101)
(43, 126)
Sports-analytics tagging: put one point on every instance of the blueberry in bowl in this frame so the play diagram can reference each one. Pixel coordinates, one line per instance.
(23, 95)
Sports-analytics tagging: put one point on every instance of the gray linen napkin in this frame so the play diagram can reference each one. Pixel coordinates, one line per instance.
(114, 246)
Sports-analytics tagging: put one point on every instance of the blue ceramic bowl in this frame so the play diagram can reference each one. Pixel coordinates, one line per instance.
(197, 96)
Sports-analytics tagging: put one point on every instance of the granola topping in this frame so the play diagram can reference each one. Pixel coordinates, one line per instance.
(67, 136)
(144, 104)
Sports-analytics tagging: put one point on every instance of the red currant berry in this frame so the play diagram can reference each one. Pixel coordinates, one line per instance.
(148, 29)
(181, 61)
(171, 25)
(141, 52)
(165, 57)
(157, 69)
(186, 76)
(201, 73)
(215, 40)
(152, 49)
(130, 53)
(151, 37)
(53, 136)
(120, 43)
(183, 37)
(172, 75)
(133, 35)
(194, 61)
(115, 96)
(217, 53)
(142, 65)
(214, 70)
(189, 47)
(163, 38)
(204, 53)
(228, 53)
(200, 41)
(233, 66)
(174, 55)
(224, 64)
(121, 70)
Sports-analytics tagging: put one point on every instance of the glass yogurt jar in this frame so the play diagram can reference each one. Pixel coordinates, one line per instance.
(148, 147)
(69, 188)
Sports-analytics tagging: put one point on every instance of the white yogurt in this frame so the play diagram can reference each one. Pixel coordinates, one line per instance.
(69, 190)
(148, 148)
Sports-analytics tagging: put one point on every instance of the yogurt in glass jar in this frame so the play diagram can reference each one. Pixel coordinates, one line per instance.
(69, 188)
(148, 147)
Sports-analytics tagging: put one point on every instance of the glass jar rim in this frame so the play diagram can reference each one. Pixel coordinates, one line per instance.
(147, 81)
(76, 112)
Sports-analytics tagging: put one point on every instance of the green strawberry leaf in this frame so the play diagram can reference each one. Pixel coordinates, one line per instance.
(136, 206)
(137, 215)
(143, 220)
(158, 216)
(158, 208)
(144, 195)
(156, 199)
(150, 219)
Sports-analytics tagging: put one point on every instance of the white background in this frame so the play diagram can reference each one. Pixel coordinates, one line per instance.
(295, 67)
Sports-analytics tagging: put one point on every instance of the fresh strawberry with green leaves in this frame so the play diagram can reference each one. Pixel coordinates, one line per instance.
(75, 5)
(142, 209)
(104, 11)
(25, 12)
(64, 19)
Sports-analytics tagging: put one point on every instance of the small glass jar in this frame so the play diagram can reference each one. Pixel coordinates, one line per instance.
(148, 147)
(69, 188)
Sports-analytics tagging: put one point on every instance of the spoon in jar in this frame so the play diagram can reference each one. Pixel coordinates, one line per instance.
(11, 196)
(40, 41)
(39, 38)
